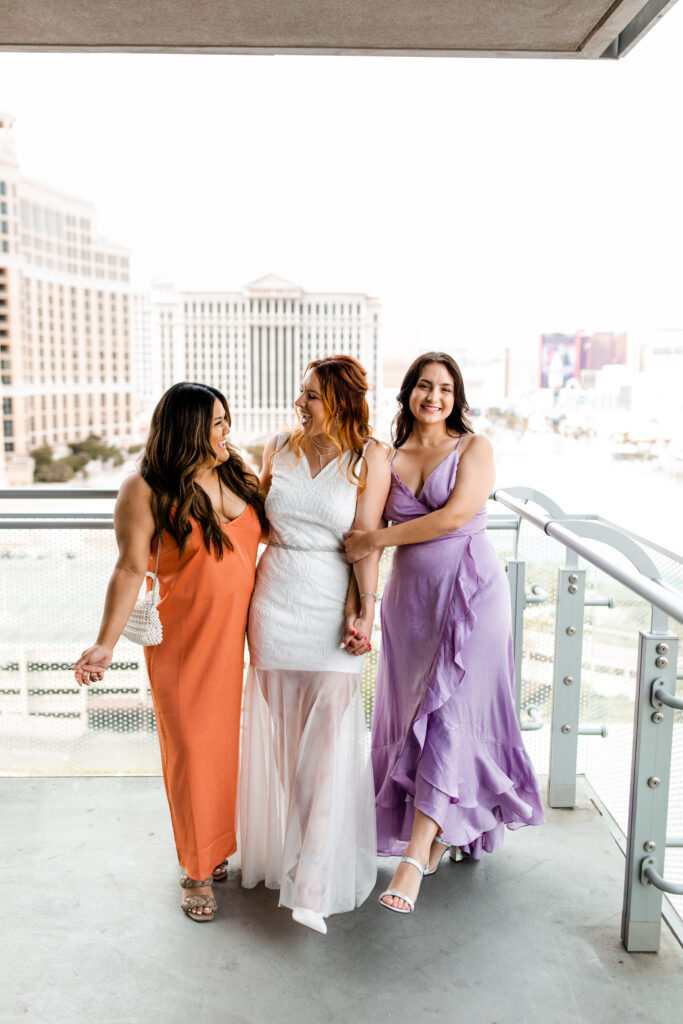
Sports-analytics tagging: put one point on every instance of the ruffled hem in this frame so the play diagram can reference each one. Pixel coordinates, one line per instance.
(477, 830)
(486, 787)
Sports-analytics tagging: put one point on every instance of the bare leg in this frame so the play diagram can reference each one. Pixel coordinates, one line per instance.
(406, 878)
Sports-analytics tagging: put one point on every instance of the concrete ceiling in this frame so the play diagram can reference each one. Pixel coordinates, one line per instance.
(496, 28)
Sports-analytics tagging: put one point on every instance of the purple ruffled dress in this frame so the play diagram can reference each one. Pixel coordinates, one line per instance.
(445, 737)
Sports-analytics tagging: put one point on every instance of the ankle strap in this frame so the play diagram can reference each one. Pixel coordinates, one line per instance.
(415, 863)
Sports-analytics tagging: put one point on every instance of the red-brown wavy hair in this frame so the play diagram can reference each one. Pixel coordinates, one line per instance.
(343, 388)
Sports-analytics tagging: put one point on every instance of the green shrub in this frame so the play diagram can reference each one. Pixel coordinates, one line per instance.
(55, 472)
(256, 452)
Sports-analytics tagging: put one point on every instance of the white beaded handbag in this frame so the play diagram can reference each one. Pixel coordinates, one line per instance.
(144, 625)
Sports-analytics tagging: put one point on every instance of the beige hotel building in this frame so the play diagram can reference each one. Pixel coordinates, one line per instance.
(255, 344)
(66, 312)
(81, 353)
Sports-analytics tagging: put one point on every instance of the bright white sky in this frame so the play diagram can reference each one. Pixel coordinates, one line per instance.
(481, 200)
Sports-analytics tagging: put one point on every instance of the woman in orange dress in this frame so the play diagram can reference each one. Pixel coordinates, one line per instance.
(194, 491)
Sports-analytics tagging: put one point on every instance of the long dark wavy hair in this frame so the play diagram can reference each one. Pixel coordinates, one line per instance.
(343, 387)
(457, 422)
(177, 447)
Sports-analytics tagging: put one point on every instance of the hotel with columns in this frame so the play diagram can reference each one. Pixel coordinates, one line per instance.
(255, 344)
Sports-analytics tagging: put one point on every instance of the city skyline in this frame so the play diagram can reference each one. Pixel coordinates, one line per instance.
(84, 354)
(486, 202)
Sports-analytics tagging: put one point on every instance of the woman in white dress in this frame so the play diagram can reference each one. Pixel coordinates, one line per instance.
(307, 816)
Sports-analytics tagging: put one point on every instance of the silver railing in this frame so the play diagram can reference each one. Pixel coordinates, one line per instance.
(655, 694)
(41, 675)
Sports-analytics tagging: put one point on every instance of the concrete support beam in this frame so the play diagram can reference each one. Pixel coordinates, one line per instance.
(533, 28)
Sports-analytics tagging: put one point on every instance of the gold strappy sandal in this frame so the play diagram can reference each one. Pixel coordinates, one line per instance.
(191, 904)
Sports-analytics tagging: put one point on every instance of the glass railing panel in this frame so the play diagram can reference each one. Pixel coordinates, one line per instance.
(52, 584)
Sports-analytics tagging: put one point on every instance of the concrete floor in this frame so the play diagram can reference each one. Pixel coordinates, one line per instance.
(91, 930)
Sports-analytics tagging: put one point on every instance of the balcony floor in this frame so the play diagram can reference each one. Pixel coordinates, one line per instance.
(93, 932)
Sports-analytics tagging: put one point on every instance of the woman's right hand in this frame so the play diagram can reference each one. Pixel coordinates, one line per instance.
(92, 664)
(357, 632)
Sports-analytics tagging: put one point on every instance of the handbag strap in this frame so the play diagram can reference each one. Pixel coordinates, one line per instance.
(156, 567)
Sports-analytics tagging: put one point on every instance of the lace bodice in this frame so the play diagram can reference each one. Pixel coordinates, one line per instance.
(297, 610)
(308, 512)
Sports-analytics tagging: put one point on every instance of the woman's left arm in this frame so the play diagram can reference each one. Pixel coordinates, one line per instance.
(474, 481)
(369, 509)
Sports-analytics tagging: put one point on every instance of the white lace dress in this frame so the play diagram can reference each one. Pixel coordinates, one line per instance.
(307, 815)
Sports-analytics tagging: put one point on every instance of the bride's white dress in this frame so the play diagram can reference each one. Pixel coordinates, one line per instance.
(307, 814)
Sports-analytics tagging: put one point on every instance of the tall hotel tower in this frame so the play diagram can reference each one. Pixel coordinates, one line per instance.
(65, 321)
(255, 344)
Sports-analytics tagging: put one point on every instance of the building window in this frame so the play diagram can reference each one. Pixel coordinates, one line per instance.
(3, 188)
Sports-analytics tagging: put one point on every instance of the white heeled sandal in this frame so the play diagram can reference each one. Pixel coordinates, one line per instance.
(309, 919)
(446, 848)
(401, 895)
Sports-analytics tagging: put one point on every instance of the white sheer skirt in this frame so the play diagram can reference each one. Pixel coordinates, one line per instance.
(307, 809)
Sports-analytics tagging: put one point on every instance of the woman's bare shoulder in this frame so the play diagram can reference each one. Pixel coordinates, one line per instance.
(476, 446)
(275, 442)
(377, 452)
(135, 489)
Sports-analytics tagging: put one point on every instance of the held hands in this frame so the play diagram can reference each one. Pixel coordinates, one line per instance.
(358, 544)
(357, 633)
(91, 665)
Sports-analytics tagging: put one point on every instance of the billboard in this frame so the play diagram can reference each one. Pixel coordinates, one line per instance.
(602, 349)
(558, 359)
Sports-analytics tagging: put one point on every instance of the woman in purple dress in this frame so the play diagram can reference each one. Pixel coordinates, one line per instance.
(450, 767)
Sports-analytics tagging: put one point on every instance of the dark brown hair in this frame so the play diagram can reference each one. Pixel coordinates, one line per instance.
(177, 447)
(343, 388)
(457, 421)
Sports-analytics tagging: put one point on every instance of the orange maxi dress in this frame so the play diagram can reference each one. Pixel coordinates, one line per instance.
(196, 676)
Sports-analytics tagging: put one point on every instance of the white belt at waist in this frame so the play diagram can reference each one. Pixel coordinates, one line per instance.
(296, 547)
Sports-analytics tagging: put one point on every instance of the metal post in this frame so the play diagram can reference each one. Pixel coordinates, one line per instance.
(516, 569)
(571, 588)
(646, 840)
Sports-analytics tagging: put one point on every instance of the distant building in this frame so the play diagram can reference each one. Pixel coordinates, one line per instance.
(579, 356)
(255, 344)
(65, 319)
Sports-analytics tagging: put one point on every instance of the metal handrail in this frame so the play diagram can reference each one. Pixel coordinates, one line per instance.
(48, 522)
(644, 580)
(652, 877)
(664, 697)
(652, 590)
(35, 493)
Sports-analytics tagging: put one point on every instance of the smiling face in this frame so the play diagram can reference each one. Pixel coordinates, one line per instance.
(432, 398)
(218, 437)
(311, 406)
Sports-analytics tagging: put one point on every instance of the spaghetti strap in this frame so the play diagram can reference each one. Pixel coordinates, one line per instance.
(458, 444)
(393, 453)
